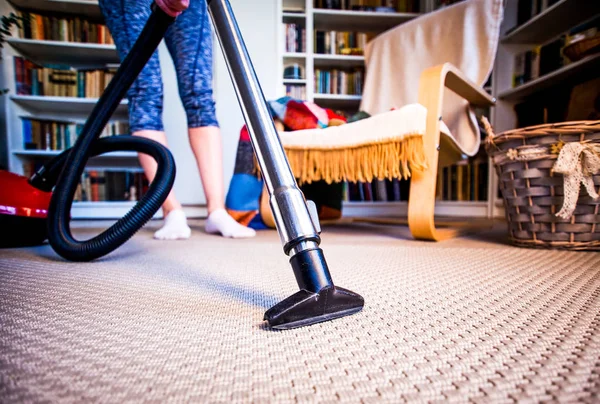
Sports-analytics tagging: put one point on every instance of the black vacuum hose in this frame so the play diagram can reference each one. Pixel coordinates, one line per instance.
(65, 171)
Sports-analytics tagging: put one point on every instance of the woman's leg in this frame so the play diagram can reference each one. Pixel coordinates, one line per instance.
(189, 41)
(125, 20)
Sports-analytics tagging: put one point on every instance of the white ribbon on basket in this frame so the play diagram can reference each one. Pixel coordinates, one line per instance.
(578, 162)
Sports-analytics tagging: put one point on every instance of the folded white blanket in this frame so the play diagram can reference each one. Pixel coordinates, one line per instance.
(392, 125)
(465, 34)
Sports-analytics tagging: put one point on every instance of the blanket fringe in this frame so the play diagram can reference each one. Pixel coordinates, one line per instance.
(364, 163)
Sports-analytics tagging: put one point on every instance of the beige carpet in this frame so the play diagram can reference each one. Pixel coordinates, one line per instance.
(466, 320)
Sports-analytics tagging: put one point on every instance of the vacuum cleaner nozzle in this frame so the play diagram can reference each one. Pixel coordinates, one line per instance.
(306, 308)
(318, 300)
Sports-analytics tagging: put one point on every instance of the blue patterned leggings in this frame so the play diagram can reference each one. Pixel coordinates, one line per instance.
(189, 41)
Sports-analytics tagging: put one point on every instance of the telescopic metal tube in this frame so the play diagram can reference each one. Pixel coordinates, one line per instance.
(290, 211)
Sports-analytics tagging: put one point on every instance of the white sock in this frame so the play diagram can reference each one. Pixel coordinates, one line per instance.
(175, 227)
(219, 221)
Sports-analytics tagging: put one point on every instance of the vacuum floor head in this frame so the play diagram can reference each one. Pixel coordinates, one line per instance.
(305, 308)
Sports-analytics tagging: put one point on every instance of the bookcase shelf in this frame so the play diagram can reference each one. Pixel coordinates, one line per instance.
(400, 209)
(82, 8)
(294, 81)
(317, 64)
(369, 21)
(582, 69)
(552, 22)
(72, 106)
(338, 101)
(54, 153)
(294, 55)
(103, 210)
(28, 116)
(338, 61)
(74, 54)
(293, 17)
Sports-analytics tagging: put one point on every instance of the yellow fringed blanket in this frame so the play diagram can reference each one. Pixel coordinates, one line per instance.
(387, 145)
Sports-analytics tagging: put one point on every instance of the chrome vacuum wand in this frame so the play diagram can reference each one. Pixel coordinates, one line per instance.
(296, 219)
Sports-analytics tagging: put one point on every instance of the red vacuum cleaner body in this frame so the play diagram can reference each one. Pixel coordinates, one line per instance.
(23, 212)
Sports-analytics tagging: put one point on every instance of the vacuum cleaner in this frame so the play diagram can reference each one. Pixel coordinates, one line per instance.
(39, 207)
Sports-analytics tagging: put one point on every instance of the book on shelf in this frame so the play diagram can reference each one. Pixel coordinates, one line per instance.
(340, 42)
(104, 185)
(61, 81)
(390, 6)
(295, 38)
(466, 181)
(42, 134)
(386, 190)
(111, 186)
(337, 81)
(527, 9)
(66, 29)
(296, 91)
(543, 59)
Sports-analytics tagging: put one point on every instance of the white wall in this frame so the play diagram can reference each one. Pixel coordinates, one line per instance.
(258, 24)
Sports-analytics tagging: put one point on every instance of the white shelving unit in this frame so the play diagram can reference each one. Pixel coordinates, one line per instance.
(584, 67)
(541, 29)
(358, 21)
(303, 12)
(66, 109)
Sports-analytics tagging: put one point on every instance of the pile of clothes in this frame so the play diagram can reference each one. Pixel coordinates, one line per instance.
(246, 186)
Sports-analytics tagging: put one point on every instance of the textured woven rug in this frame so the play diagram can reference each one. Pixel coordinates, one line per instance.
(469, 320)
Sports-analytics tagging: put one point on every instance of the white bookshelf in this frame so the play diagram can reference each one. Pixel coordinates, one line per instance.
(540, 29)
(311, 19)
(63, 109)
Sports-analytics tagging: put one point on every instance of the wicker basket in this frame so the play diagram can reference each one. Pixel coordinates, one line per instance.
(582, 48)
(533, 192)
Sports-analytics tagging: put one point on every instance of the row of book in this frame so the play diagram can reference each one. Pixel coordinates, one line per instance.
(113, 186)
(41, 134)
(296, 91)
(527, 9)
(466, 181)
(543, 59)
(60, 81)
(295, 38)
(400, 6)
(386, 190)
(104, 185)
(73, 29)
(336, 81)
(340, 42)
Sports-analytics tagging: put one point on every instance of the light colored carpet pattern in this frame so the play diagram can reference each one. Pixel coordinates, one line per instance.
(467, 320)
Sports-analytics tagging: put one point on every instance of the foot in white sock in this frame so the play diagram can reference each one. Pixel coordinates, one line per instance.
(175, 227)
(219, 221)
